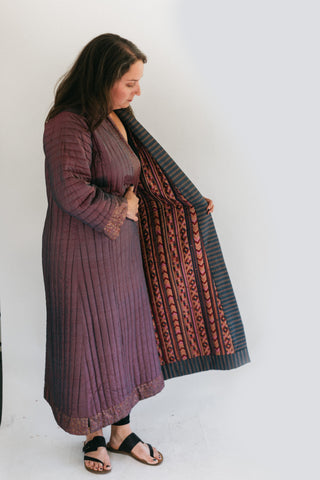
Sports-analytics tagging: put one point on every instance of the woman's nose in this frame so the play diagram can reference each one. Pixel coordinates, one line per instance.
(138, 90)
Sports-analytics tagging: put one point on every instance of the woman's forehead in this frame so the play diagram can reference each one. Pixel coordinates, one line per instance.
(135, 72)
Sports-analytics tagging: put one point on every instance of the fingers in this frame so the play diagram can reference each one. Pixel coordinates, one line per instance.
(210, 205)
(133, 204)
(132, 215)
(130, 193)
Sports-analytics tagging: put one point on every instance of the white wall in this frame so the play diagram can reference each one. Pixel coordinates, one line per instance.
(231, 90)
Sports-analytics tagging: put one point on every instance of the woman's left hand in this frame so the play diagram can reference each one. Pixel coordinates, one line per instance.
(210, 205)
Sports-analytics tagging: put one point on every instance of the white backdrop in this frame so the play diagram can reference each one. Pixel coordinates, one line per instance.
(231, 90)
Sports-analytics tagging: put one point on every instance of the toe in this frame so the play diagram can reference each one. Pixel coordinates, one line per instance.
(89, 464)
(93, 465)
(156, 455)
(102, 456)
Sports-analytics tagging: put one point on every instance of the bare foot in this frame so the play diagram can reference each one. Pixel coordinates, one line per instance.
(141, 450)
(100, 454)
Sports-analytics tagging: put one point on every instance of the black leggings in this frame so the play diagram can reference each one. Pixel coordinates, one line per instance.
(123, 421)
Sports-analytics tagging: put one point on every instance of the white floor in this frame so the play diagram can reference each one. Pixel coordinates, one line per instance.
(213, 425)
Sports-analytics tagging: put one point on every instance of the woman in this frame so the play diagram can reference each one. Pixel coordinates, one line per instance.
(131, 299)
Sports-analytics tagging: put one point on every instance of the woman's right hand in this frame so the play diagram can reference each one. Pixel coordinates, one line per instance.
(133, 204)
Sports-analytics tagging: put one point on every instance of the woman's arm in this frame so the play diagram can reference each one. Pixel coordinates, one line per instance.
(68, 149)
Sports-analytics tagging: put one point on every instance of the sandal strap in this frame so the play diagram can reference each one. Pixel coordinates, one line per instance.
(94, 444)
(151, 450)
(129, 443)
(92, 459)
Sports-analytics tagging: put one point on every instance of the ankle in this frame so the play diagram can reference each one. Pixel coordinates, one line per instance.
(90, 436)
(120, 432)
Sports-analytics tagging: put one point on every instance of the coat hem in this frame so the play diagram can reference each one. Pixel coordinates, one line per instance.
(86, 425)
(200, 364)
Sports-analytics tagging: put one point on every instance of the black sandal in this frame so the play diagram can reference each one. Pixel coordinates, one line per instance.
(92, 446)
(128, 444)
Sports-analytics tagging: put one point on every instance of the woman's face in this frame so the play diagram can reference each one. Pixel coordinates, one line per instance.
(124, 89)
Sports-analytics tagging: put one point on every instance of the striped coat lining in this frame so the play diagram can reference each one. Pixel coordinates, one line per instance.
(180, 183)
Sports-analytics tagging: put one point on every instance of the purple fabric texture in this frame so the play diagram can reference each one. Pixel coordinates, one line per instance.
(101, 355)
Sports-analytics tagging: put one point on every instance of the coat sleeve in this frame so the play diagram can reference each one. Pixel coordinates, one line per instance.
(68, 150)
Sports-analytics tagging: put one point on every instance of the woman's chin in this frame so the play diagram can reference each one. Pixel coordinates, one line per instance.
(123, 105)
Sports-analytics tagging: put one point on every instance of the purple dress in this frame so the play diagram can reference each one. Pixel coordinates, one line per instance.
(101, 355)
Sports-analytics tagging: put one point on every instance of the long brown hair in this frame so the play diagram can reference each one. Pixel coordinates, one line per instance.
(86, 86)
